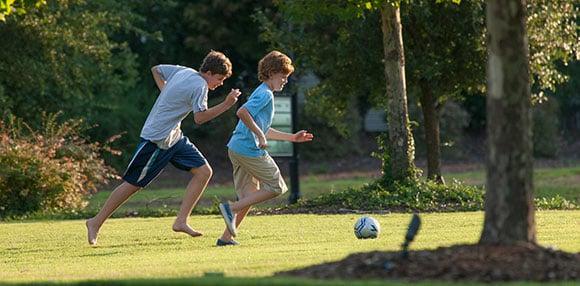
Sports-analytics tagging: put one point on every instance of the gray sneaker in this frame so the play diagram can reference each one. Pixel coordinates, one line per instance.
(229, 217)
(221, 242)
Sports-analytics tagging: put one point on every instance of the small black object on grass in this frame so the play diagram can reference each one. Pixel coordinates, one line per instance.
(412, 231)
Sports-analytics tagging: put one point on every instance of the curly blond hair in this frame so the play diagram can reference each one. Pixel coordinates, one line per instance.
(216, 63)
(273, 63)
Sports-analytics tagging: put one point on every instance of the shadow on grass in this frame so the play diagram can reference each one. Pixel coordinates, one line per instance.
(21, 250)
(217, 279)
(134, 244)
(109, 253)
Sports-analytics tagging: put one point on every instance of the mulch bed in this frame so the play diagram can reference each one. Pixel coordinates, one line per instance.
(482, 263)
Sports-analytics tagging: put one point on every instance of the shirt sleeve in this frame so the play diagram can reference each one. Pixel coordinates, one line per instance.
(256, 102)
(167, 71)
(199, 99)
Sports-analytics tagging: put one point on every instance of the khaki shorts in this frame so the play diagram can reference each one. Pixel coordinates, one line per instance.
(256, 173)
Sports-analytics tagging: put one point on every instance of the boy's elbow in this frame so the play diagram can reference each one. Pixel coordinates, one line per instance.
(241, 112)
(198, 119)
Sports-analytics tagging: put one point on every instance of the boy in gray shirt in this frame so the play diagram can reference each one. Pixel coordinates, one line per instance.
(183, 90)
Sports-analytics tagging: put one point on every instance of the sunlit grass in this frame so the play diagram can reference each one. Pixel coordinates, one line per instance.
(147, 248)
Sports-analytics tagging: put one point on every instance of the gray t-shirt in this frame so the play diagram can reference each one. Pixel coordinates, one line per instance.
(185, 91)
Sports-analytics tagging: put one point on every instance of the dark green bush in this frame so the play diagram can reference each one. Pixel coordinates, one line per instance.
(415, 196)
(48, 170)
(419, 196)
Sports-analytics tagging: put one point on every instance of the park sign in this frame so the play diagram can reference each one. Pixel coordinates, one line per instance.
(282, 121)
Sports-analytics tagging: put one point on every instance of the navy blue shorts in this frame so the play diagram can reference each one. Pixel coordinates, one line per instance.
(149, 160)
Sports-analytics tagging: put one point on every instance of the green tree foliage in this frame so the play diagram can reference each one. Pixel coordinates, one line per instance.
(304, 29)
(350, 78)
(569, 96)
(553, 37)
(183, 32)
(444, 48)
(92, 59)
(226, 26)
(8, 7)
(444, 52)
(49, 169)
(72, 56)
(64, 58)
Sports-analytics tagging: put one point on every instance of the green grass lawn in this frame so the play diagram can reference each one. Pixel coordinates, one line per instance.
(133, 248)
(547, 183)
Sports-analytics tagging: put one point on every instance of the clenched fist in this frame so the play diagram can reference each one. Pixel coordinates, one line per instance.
(232, 97)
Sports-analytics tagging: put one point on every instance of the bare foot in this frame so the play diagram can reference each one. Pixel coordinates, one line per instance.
(185, 228)
(92, 232)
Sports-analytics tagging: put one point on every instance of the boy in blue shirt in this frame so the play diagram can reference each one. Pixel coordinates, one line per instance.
(256, 176)
(183, 90)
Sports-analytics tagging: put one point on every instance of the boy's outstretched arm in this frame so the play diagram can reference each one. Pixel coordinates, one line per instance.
(248, 120)
(298, 137)
(158, 78)
(213, 112)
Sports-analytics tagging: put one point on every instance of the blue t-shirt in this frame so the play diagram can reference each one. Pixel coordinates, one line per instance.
(260, 105)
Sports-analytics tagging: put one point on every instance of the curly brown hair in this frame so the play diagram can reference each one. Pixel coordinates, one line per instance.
(216, 63)
(273, 63)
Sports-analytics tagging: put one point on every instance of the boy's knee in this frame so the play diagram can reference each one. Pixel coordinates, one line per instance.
(276, 190)
(204, 171)
(129, 188)
(277, 186)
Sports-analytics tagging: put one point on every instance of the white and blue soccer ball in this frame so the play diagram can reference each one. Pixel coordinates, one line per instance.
(367, 227)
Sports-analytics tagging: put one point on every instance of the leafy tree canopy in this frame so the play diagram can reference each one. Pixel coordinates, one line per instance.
(351, 69)
(64, 57)
(19, 7)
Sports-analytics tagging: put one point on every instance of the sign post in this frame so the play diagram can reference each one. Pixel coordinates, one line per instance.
(285, 121)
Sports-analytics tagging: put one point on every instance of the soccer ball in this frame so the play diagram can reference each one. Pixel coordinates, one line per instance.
(367, 227)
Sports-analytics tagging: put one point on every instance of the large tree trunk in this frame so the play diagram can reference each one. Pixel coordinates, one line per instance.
(401, 148)
(509, 210)
(432, 137)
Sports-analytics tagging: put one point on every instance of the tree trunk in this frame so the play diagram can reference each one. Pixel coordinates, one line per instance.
(432, 138)
(401, 148)
(509, 210)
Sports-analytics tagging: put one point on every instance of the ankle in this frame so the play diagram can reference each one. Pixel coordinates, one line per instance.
(234, 207)
(179, 221)
(93, 223)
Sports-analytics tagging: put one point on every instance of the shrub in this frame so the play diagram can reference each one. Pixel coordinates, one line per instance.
(48, 170)
(425, 196)
(411, 196)
(554, 203)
